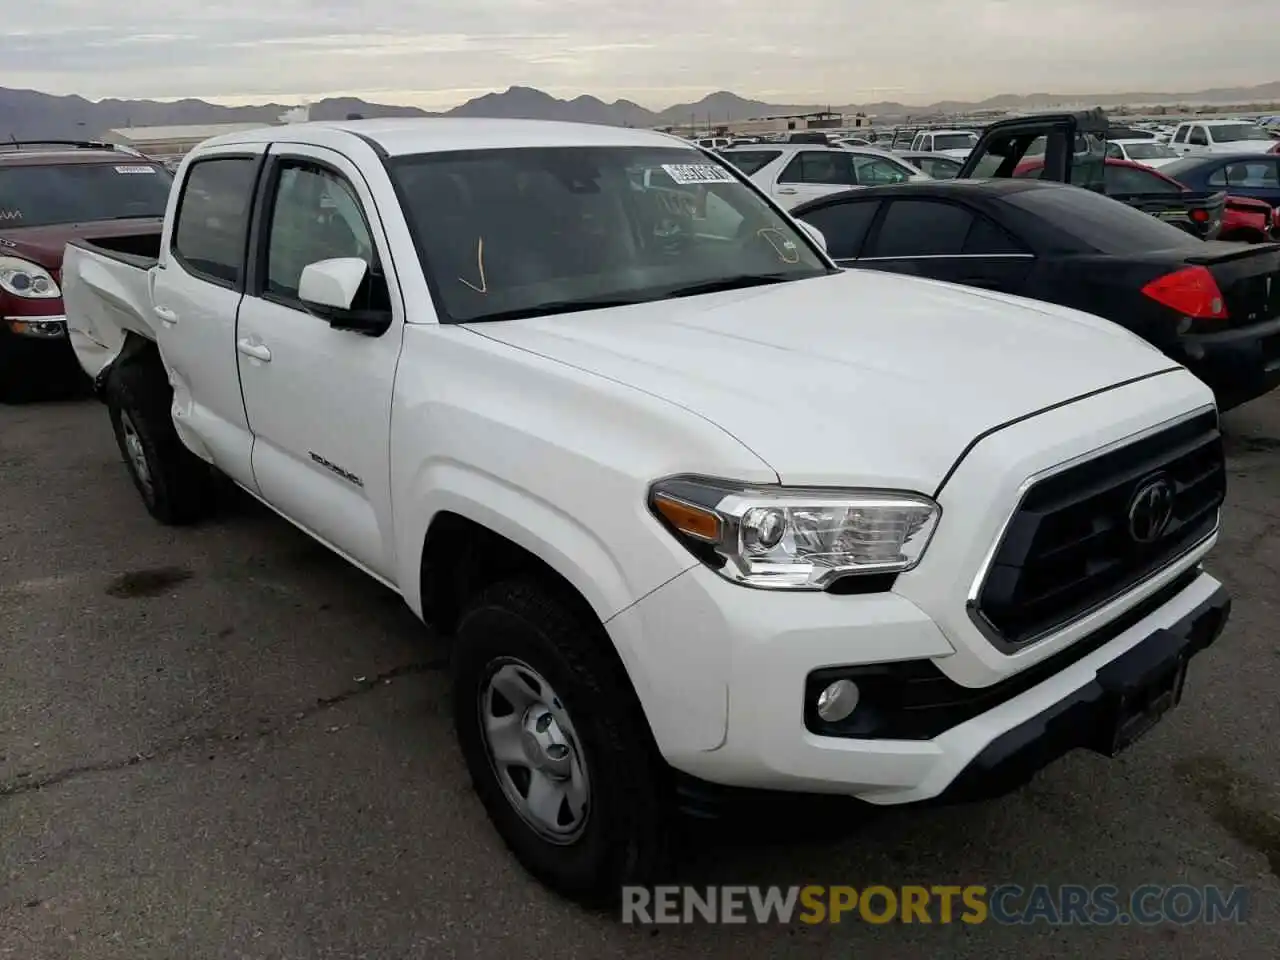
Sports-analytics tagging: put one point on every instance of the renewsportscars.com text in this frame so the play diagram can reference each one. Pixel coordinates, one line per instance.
(937, 904)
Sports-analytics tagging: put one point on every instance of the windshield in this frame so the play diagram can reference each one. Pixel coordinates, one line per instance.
(954, 141)
(1105, 225)
(40, 196)
(1148, 151)
(1236, 132)
(504, 234)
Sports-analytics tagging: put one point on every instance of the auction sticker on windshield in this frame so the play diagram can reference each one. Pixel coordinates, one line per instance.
(698, 173)
(139, 168)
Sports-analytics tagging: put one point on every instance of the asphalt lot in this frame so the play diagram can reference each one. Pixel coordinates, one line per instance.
(223, 742)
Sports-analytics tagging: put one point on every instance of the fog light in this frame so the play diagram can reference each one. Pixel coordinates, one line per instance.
(837, 701)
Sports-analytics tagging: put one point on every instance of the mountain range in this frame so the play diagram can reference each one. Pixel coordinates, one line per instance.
(29, 114)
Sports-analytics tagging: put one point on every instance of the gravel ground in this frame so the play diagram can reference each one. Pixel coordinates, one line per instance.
(223, 742)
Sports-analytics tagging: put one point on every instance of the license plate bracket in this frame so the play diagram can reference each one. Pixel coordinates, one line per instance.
(1138, 709)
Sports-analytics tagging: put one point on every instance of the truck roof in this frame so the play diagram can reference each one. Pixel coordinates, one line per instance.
(408, 135)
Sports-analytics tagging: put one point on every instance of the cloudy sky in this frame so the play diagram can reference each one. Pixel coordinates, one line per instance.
(439, 53)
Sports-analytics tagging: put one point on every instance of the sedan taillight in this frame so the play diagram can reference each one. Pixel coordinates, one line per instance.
(1191, 291)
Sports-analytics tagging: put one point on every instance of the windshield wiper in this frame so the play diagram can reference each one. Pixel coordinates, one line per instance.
(552, 307)
(729, 283)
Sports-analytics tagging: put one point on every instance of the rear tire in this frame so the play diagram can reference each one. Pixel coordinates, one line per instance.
(522, 640)
(176, 486)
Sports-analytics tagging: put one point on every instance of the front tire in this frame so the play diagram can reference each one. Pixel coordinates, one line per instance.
(556, 743)
(176, 486)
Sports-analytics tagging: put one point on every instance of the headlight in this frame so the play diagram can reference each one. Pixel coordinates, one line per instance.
(795, 538)
(27, 280)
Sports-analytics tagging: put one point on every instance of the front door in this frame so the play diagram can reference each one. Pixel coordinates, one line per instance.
(196, 291)
(319, 398)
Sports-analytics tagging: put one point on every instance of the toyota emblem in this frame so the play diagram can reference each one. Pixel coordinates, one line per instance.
(1151, 509)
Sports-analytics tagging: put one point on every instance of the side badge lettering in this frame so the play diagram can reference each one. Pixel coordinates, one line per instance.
(333, 467)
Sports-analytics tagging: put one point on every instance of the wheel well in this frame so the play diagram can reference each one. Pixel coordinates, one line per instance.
(136, 351)
(461, 557)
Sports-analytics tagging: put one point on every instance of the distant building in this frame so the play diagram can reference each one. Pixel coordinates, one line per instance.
(171, 142)
(763, 126)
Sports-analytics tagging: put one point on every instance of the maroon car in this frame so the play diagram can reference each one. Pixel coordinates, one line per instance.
(52, 192)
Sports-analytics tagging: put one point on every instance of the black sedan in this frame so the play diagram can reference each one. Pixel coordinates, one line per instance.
(1255, 175)
(1214, 307)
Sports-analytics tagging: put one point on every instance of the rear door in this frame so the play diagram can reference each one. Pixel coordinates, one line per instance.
(811, 174)
(196, 291)
(1178, 142)
(943, 240)
(1197, 141)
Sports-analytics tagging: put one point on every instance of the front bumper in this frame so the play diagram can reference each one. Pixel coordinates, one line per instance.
(766, 745)
(37, 328)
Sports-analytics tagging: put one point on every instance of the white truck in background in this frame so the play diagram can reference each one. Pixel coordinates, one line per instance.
(698, 508)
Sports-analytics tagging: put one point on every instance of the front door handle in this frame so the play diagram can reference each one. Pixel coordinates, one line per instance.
(257, 351)
(165, 315)
(787, 190)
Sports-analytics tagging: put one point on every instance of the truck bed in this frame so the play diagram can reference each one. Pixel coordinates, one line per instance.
(106, 293)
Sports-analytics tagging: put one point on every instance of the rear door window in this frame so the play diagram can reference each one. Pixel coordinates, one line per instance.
(921, 228)
(749, 161)
(829, 167)
(213, 215)
(988, 239)
(870, 171)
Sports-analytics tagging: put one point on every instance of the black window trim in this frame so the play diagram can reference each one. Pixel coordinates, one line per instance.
(873, 233)
(251, 212)
(264, 204)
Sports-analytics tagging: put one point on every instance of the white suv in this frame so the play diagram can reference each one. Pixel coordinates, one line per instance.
(794, 173)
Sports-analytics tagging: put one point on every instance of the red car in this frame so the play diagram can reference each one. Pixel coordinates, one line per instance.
(1249, 220)
(52, 192)
(1241, 218)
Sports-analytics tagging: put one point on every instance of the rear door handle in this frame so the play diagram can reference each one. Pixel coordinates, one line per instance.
(165, 315)
(787, 190)
(257, 351)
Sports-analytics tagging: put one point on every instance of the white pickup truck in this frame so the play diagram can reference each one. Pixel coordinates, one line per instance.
(699, 510)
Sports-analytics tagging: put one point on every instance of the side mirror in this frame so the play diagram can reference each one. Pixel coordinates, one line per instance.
(814, 234)
(329, 288)
(332, 283)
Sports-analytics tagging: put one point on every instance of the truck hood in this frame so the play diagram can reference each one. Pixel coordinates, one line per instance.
(860, 376)
(44, 245)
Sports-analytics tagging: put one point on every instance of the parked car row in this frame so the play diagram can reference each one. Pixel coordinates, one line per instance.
(1211, 305)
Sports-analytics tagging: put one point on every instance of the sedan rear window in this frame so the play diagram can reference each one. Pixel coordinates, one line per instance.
(1105, 225)
(39, 196)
